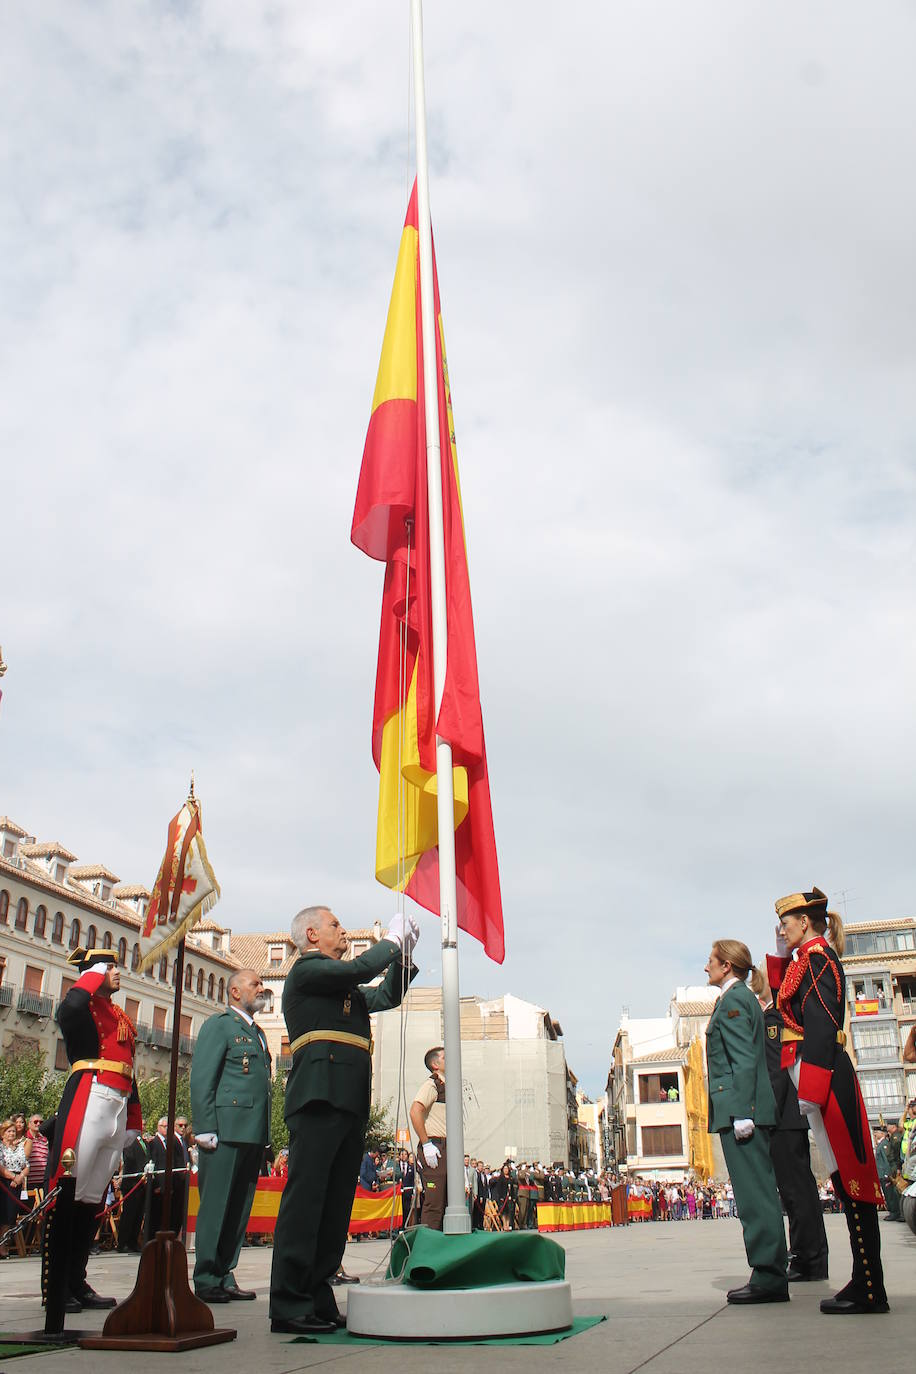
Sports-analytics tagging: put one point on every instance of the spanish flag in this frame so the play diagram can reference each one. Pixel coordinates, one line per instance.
(391, 523)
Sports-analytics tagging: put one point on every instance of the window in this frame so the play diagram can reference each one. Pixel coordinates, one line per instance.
(106, 892)
(57, 929)
(655, 1087)
(158, 1018)
(175, 974)
(22, 913)
(882, 1090)
(92, 938)
(9, 848)
(268, 1001)
(74, 933)
(210, 984)
(33, 979)
(135, 959)
(189, 979)
(276, 954)
(661, 1140)
(284, 1047)
(184, 1025)
(132, 1007)
(41, 921)
(221, 991)
(107, 942)
(60, 873)
(164, 969)
(200, 983)
(122, 952)
(4, 907)
(60, 1057)
(65, 985)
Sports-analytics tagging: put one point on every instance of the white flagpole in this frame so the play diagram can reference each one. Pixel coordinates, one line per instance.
(456, 1220)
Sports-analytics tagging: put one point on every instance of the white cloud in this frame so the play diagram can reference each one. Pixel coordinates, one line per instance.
(675, 256)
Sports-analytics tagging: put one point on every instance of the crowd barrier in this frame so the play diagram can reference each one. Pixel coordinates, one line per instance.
(372, 1214)
(573, 1216)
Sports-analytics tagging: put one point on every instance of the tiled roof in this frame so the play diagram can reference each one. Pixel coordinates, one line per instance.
(252, 951)
(130, 890)
(207, 924)
(93, 871)
(675, 1055)
(12, 828)
(695, 1008)
(47, 850)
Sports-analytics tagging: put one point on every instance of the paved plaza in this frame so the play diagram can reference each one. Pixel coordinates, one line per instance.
(661, 1287)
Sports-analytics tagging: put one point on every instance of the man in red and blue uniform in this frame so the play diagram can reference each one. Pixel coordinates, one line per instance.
(99, 1113)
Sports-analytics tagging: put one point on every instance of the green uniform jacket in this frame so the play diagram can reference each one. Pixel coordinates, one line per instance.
(230, 1082)
(739, 1085)
(324, 994)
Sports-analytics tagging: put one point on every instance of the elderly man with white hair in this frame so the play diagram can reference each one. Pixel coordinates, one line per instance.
(326, 1004)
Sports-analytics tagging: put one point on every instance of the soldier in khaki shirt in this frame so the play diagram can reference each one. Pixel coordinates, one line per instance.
(427, 1116)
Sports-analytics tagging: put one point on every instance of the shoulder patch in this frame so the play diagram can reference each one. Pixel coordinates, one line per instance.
(773, 1032)
(736, 1012)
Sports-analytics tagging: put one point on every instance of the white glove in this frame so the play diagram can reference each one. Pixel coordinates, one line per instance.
(782, 949)
(208, 1141)
(398, 930)
(807, 1108)
(414, 930)
(101, 967)
(130, 1136)
(744, 1128)
(149, 1167)
(431, 1154)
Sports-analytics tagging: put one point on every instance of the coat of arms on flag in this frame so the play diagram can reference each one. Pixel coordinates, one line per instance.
(185, 887)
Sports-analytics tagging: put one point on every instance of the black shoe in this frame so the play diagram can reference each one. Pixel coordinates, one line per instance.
(303, 1326)
(212, 1294)
(848, 1307)
(236, 1294)
(750, 1293)
(89, 1298)
(796, 1274)
(72, 1304)
(340, 1277)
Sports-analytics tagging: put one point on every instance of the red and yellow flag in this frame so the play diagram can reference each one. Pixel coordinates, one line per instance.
(390, 523)
(185, 887)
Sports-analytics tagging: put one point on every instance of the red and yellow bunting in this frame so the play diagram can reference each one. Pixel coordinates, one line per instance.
(372, 1213)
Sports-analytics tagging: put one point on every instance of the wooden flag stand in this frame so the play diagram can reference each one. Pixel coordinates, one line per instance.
(162, 1313)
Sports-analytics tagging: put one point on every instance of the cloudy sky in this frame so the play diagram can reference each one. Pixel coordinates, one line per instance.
(675, 249)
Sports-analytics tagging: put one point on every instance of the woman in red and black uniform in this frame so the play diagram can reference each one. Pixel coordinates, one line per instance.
(810, 988)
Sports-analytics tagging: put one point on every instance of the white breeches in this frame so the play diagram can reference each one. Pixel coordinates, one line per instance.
(101, 1140)
(818, 1130)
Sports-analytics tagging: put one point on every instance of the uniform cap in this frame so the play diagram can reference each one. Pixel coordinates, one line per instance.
(85, 958)
(814, 902)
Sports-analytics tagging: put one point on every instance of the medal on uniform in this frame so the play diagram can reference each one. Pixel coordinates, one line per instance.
(346, 1005)
(244, 1063)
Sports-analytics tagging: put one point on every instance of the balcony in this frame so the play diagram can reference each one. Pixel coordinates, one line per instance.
(891, 1108)
(877, 1054)
(283, 1063)
(144, 1031)
(34, 1004)
(160, 1038)
(186, 1044)
(7, 993)
(908, 1006)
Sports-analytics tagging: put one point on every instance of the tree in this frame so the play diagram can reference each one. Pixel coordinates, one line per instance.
(27, 1085)
(154, 1098)
(279, 1131)
(380, 1129)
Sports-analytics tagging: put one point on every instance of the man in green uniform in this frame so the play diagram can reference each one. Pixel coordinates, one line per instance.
(327, 1105)
(230, 1109)
(888, 1165)
(741, 1101)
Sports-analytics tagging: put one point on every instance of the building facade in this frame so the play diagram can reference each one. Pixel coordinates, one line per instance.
(50, 905)
(880, 965)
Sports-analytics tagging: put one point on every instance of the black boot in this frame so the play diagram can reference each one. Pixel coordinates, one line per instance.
(865, 1292)
(85, 1226)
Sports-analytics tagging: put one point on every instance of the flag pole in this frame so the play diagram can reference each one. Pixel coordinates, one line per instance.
(456, 1220)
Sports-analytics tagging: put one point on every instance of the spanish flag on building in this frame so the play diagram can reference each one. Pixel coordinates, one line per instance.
(390, 523)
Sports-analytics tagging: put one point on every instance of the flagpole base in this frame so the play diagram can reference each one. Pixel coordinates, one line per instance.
(392, 1311)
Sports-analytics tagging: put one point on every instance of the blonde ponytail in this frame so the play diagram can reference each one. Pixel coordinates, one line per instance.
(759, 983)
(735, 953)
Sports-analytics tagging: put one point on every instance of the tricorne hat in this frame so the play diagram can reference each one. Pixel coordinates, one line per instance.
(814, 902)
(85, 958)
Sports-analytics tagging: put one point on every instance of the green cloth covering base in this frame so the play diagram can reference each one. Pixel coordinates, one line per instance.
(11, 1350)
(482, 1259)
(551, 1338)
